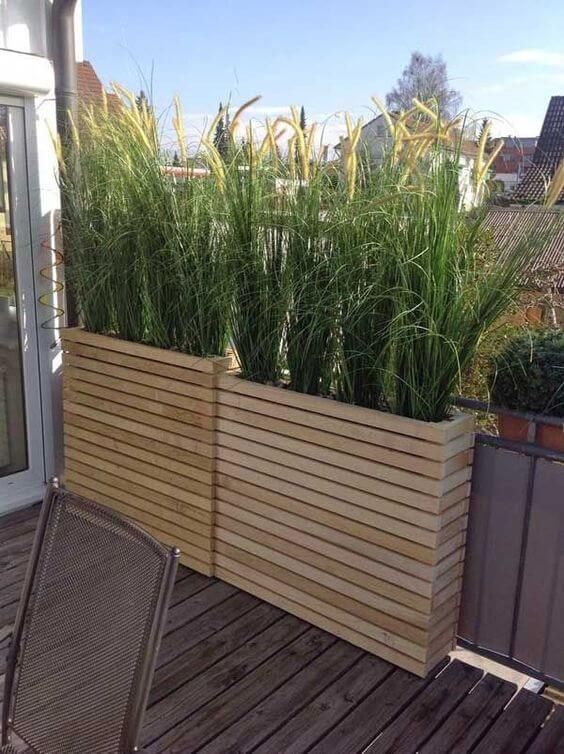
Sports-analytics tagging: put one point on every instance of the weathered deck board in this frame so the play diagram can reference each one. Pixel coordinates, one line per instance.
(472, 718)
(551, 738)
(236, 674)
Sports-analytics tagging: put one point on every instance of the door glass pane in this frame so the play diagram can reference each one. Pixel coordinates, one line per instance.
(13, 445)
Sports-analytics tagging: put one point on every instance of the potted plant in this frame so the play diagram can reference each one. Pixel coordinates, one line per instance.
(528, 376)
(329, 473)
(342, 468)
(143, 260)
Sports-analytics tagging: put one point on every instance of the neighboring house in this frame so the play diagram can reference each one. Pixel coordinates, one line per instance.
(91, 91)
(30, 358)
(513, 161)
(548, 155)
(375, 141)
(544, 229)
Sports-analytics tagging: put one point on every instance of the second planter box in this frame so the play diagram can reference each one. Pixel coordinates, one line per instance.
(350, 518)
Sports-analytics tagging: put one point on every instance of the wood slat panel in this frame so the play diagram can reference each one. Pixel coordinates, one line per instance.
(88, 371)
(407, 572)
(278, 483)
(438, 433)
(140, 436)
(280, 599)
(145, 418)
(193, 464)
(141, 466)
(147, 481)
(323, 446)
(86, 363)
(186, 376)
(183, 533)
(323, 471)
(207, 365)
(138, 428)
(353, 572)
(266, 562)
(100, 439)
(183, 520)
(133, 398)
(337, 528)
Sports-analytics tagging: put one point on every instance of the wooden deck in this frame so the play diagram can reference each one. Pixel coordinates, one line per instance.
(237, 675)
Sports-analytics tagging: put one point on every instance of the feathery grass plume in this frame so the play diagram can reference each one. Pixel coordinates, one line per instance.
(237, 117)
(178, 124)
(350, 155)
(482, 164)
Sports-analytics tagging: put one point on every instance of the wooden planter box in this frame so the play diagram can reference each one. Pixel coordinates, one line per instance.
(350, 518)
(139, 436)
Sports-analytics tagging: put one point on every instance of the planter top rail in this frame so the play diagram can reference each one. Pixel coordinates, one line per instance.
(235, 673)
(206, 364)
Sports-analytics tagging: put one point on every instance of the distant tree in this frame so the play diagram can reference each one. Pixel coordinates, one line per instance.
(141, 100)
(303, 122)
(425, 78)
(490, 143)
(303, 128)
(175, 160)
(221, 136)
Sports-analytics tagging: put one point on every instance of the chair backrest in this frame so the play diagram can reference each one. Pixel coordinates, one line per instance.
(87, 632)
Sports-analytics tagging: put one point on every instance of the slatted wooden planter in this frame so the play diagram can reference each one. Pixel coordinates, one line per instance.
(139, 436)
(350, 518)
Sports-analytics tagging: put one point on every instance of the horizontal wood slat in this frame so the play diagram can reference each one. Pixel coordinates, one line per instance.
(352, 519)
(140, 437)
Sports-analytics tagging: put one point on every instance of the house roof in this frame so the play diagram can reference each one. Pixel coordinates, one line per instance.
(549, 153)
(512, 226)
(90, 88)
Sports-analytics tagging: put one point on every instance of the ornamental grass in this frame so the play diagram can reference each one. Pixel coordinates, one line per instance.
(368, 284)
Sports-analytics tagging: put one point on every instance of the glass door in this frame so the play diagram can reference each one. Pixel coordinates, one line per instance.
(21, 444)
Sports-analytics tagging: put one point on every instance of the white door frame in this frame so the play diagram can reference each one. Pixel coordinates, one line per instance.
(24, 487)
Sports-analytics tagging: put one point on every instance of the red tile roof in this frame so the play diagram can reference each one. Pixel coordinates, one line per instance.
(542, 227)
(91, 89)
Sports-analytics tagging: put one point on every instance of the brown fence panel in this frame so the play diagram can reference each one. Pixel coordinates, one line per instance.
(539, 638)
(513, 595)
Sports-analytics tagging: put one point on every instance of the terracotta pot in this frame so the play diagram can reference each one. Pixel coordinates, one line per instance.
(550, 437)
(513, 428)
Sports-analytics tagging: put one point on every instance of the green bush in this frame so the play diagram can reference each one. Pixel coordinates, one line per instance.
(528, 374)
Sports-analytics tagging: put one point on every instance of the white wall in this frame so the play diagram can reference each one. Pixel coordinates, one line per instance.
(24, 25)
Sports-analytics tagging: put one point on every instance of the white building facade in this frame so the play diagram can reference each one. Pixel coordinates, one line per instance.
(30, 356)
(375, 141)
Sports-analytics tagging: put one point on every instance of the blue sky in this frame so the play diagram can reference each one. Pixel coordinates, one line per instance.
(507, 58)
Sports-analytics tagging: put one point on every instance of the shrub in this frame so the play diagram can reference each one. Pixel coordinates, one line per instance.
(528, 375)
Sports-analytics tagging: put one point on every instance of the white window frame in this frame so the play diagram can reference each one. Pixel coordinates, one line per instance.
(22, 488)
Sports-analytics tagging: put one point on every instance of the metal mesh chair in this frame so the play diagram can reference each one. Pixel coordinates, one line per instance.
(87, 631)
